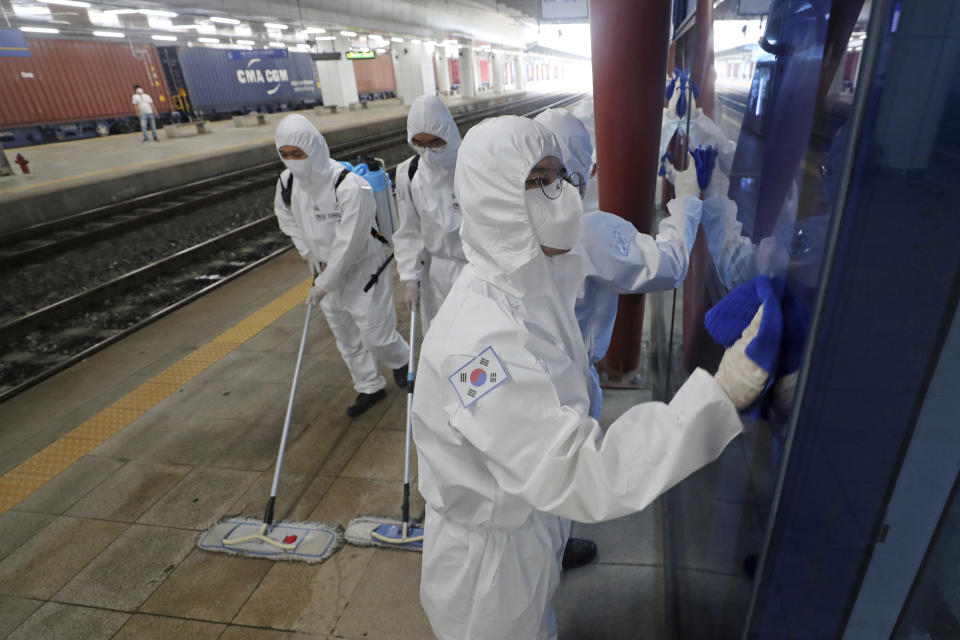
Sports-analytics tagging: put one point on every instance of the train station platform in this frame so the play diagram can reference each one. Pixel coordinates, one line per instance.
(110, 470)
(69, 177)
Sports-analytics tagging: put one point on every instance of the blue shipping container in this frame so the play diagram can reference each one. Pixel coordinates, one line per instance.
(215, 83)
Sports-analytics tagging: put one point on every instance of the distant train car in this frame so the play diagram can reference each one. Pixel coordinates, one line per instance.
(375, 80)
(71, 89)
(219, 83)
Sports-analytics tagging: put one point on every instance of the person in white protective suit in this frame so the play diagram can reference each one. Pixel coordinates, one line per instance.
(506, 449)
(618, 259)
(427, 244)
(329, 214)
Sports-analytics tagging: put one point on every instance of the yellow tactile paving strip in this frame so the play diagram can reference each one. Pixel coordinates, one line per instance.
(21, 481)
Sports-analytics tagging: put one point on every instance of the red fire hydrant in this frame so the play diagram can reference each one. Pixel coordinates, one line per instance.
(23, 162)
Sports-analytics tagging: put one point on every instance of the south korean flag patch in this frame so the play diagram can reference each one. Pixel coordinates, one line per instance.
(478, 377)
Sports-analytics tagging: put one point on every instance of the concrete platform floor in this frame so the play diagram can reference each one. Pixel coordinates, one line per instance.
(106, 549)
(65, 164)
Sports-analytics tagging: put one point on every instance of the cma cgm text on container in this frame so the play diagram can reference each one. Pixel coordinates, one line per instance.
(217, 81)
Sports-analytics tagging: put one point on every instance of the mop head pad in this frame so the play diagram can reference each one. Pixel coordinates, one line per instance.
(312, 542)
(360, 532)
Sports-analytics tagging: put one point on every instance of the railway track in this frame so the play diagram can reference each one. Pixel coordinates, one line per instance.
(48, 340)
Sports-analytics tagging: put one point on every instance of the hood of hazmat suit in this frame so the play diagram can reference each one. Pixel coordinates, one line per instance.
(429, 231)
(330, 227)
(506, 449)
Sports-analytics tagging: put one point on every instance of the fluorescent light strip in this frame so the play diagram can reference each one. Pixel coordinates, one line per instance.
(108, 34)
(314, 30)
(155, 12)
(325, 38)
(224, 20)
(277, 45)
(68, 3)
(349, 34)
(209, 40)
(39, 30)
(165, 38)
(246, 42)
(396, 39)
(274, 25)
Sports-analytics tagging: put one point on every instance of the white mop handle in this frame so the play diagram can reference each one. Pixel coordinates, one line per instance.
(411, 372)
(293, 392)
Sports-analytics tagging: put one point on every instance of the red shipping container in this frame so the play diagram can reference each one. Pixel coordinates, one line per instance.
(375, 75)
(76, 80)
(484, 64)
(454, 70)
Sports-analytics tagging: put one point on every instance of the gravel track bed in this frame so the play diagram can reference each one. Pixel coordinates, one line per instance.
(42, 283)
(43, 349)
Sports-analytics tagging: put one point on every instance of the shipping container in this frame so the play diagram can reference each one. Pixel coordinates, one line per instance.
(454, 72)
(67, 89)
(483, 65)
(222, 82)
(375, 80)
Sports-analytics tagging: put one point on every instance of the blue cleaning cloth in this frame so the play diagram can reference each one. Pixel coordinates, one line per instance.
(728, 318)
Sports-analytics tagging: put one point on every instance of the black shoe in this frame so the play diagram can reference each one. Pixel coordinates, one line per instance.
(400, 376)
(578, 552)
(364, 401)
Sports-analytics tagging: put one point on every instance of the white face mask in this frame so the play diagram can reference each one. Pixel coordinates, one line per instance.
(299, 168)
(441, 159)
(139, 90)
(556, 223)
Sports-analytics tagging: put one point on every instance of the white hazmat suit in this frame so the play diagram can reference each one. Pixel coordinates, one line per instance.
(427, 243)
(330, 227)
(617, 259)
(506, 448)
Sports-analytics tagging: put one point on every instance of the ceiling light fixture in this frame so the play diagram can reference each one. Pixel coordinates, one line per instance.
(224, 20)
(275, 25)
(165, 38)
(158, 13)
(277, 45)
(396, 39)
(209, 40)
(39, 30)
(68, 3)
(108, 34)
(349, 34)
(246, 42)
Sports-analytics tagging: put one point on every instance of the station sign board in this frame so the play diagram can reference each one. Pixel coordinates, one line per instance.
(564, 10)
(361, 54)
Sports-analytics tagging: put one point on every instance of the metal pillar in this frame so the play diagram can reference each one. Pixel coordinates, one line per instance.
(443, 70)
(521, 67)
(468, 82)
(628, 113)
(496, 62)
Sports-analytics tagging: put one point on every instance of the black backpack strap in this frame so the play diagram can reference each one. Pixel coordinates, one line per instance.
(286, 191)
(412, 169)
(341, 178)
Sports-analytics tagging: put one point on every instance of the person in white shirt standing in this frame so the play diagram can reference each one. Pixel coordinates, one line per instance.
(146, 111)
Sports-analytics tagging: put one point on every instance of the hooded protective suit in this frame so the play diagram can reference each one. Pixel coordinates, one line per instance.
(501, 467)
(429, 232)
(617, 259)
(331, 230)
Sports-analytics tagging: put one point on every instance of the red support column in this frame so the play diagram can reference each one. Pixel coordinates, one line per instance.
(629, 55)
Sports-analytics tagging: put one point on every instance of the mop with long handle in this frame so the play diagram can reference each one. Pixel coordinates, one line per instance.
(386, 531)
(306, 541)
